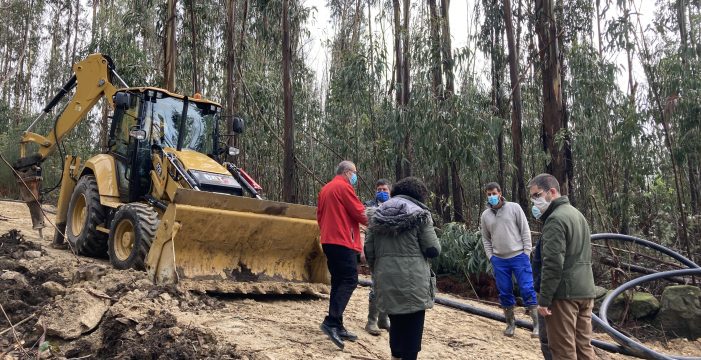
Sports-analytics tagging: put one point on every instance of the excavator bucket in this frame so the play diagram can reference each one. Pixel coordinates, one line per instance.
(211, 242)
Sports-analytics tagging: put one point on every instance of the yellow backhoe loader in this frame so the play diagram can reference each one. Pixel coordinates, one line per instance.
(161, 199)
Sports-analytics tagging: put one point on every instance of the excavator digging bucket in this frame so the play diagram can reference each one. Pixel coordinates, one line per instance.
(210, 242)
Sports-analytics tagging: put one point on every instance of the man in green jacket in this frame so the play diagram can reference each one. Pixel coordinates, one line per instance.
(567, 282)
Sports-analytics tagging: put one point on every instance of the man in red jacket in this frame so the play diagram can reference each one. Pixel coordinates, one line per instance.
(339, 214)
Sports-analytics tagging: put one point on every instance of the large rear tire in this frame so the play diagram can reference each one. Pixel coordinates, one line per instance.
(131, 234)
(85, 214)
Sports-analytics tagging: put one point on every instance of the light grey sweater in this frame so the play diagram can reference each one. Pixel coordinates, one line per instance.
(505, 232)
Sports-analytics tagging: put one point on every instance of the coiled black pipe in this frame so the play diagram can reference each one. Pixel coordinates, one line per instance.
(614, 348)
(639, 349)
(648, 244)
(633, 346)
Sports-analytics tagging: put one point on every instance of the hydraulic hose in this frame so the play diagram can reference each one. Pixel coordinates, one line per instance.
(614, 348)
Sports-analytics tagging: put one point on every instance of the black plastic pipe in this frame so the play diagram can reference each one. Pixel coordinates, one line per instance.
(639, 349)
(645, 243)
(614, 348)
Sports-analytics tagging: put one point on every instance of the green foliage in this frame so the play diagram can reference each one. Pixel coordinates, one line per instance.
(462, 252)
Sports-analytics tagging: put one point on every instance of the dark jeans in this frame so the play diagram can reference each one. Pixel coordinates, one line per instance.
(405, 334)
(543, 337)
(343, 266)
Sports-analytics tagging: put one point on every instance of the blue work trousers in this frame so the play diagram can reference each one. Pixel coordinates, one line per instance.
(518, 266)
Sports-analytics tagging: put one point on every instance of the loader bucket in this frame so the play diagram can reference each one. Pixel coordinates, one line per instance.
(210, 242)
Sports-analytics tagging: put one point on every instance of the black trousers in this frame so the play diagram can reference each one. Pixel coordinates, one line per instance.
(405, 334)
(343, 266)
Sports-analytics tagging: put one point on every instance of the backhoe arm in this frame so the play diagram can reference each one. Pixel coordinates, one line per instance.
(92, 81)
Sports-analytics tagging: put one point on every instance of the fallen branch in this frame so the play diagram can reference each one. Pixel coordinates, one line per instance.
(643, 255)
(362, 357)
(14, 333)
(639, 269)
(368, 350)
(100, 295)
(18, 324)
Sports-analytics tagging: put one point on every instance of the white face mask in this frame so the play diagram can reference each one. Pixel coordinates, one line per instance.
(541, 204)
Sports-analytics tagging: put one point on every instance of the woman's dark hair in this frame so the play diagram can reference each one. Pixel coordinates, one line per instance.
(410, 186)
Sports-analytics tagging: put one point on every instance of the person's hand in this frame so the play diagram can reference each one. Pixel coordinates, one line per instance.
(363, 260)
(543, 311)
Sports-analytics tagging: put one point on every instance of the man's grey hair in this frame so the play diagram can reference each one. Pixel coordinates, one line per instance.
(545, 182)
(344, 166)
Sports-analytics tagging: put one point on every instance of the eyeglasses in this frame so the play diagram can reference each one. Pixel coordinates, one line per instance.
(537, 195)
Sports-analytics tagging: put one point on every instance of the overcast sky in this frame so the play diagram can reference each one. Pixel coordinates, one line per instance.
(321, 31)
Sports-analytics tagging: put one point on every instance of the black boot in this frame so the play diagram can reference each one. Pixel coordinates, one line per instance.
(346, 335)
(332, 333)
(533, 310)
(510, 321)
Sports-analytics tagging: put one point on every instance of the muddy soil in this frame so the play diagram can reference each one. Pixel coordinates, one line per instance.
(124, 316)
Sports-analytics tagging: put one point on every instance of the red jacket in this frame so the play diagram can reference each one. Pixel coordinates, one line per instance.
(339, 214)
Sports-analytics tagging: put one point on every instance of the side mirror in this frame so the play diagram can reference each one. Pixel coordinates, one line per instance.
(237, 125)
(138, 134)
(122, 100)
(234, 151)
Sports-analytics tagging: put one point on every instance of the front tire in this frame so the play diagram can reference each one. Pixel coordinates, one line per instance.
(85, 214)
(132, 232)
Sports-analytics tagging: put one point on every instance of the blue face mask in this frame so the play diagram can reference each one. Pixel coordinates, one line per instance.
(493, 200)
(381, 196)
(354, 179)
(536, 212)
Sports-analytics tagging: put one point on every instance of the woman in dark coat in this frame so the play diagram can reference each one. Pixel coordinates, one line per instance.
(398, 244)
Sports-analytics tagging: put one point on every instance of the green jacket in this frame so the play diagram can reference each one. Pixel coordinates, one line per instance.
(399, 239)
(566, 251)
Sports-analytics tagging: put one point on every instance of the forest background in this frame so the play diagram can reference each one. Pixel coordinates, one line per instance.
(603, 94)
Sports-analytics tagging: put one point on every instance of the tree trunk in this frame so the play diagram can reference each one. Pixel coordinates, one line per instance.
(169, 46)
(458, 215)
(75, 31)
(406, 90)
(694, 190)
(681, 21)
(447, 52)
(548, 42)
(230, 69)
(516, 114)
(398, 67)
(289, 192)
(436, 75)
(194, 45)
(497, 95)
(443, 180)
(67, 52)
(598, 27)
(442, 192)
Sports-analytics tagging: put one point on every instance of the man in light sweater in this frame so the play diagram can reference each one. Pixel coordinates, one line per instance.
(507, 242)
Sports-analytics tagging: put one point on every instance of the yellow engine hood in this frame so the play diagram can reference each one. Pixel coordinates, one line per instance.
(193, 160)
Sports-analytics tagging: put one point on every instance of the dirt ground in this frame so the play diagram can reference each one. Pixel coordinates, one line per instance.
(78, 307)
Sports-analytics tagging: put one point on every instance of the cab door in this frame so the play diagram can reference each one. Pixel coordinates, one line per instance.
(128, 145)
